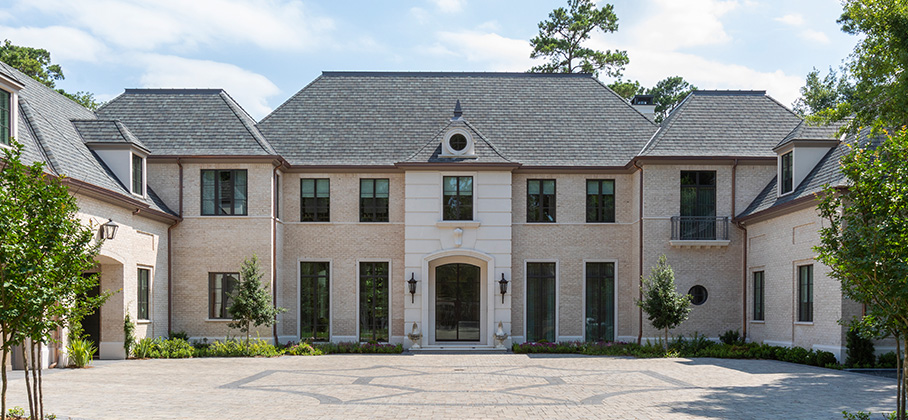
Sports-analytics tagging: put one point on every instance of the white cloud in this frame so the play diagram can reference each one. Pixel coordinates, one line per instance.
(64, 44)
(792, 19)
(449, 6)
(677, 24)
(499, 53)
(815, 36)
(150, 24)
(420, 14)
(248, 88)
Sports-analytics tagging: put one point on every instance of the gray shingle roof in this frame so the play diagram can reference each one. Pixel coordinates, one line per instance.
(48, 134)
(198, 122)
(805, 131)
(483, 150)
(362, 118)
(107, 132)
(723, 123)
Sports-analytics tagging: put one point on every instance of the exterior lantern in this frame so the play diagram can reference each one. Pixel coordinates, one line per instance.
(504, 286)
(412, 284)
(109, 229)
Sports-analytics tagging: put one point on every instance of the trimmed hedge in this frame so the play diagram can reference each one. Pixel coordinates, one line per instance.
(159, 348)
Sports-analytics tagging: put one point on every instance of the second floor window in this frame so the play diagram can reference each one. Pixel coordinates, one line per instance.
(600, 200)
(224, 192)
(698, 205)
(315, 200)
(5, 116)
(458, 198)
(137, 175)
(541, 200)
(373, 200)
(787, 178)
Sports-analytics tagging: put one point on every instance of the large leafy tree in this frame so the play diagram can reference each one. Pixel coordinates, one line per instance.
(560, 40)
(36, 63)
(865, 242)
(251, 301)
(43, 251)
(627, 88)
(819, 94)
(664, 306)
(668, 93)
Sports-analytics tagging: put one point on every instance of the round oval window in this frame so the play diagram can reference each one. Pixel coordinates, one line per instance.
(698, 295)
(457, 142)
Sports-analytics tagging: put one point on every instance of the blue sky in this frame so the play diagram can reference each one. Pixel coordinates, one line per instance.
(263, 51)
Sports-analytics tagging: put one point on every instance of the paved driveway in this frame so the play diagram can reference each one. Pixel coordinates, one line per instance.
(457, 386)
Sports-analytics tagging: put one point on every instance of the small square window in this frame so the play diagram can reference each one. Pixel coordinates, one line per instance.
(224, 192)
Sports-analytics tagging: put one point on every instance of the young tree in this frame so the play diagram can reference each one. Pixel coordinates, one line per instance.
(668, 93)
(864, 241)
(664, 306)
(43, 251)
(251, 302)
(560, 40)
(627, 88)
(818, 95)
(35, 62)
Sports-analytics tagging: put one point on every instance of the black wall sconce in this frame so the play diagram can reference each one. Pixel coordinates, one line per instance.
(109, 229)
(412, 284)
(504, 286)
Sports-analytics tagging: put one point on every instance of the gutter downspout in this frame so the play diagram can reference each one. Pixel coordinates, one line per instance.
(640, 279)
(170, 256)
(734, 184)
(274, 200)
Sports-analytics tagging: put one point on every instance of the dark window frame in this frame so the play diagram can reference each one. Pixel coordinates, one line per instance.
(600, 207)
(223, 293)
(698, 292)
(315, 324)
(786, 173)
(805, 293)
(277, 196)
(599, 273)
(542, 207)
(143, 290)
(138, 175)
(374, 209)
(759, 299)
(535, 332)
(320, 210)
(218, 199)
(455, 205)
(6, 117)
(373, 327)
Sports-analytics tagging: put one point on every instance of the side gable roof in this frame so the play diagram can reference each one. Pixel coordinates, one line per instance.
(364, 118)
(723, 123)
(181, 122)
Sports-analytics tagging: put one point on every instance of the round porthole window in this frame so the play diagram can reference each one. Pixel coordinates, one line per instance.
(698, 295)
(457, 142)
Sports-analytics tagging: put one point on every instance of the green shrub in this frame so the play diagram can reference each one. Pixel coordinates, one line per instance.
(143, 348)
(859, 350)
(16, 412)
(691, 346)
(237, 348)
(887, 360)
(129, 336)
(731, 337)
(353, 347)
(159, 348)
(179, 334)
(302, 349)
(825, 358)
(80, 351)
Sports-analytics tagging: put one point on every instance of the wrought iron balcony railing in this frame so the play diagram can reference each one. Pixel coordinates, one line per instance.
(691, 228)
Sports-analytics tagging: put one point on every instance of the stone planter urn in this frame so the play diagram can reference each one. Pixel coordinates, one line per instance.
(500, 336)
(415, 336)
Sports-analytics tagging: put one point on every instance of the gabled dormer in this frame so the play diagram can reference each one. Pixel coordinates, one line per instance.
(122, 152)
(800, 152)
(9, 109)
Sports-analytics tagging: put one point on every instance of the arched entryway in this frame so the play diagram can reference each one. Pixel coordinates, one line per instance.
(458, 301)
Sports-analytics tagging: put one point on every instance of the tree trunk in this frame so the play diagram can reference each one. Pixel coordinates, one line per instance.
(666, 340)
(904, 378)
(36, 365)
(3, 374)
(28, 387)
(899, 408)
(40, 385)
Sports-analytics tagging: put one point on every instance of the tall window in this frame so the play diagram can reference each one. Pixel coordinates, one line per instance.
(759, 288)
(142, 289)
(315, 200)
(698, 205)
(277, 196)
(458, 198)
(5, 116)
(541, 200)
(805, 293)
(137, 175)
(315, 303)
(220, 288)
(374, 311)
(540, 302)
(224, 192)
(787, 179)
(600, 301)
(373, 200)
(600, 200)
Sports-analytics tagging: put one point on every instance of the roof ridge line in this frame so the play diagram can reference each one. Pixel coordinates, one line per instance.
(666, 124)
(487, 141)
(651, 122)
(41, 149)
(426, 144)
(283, 104)
(231, 103)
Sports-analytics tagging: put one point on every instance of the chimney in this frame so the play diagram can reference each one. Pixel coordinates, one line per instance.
(645, 104)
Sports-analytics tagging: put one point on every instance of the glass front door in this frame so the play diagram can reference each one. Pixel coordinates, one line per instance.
(457, 307)
(600, 301)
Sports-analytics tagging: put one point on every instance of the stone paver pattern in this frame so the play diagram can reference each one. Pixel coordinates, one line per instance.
(456, 386)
